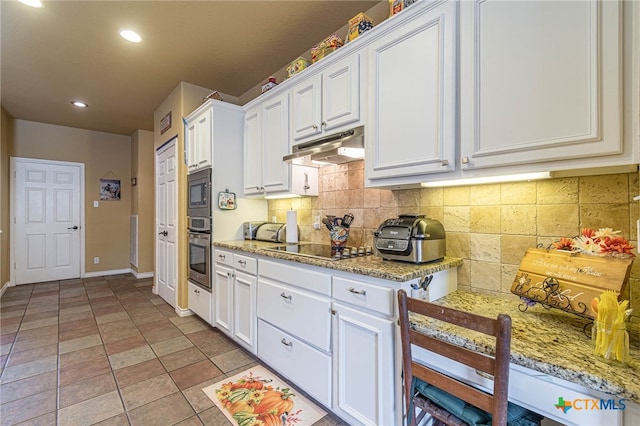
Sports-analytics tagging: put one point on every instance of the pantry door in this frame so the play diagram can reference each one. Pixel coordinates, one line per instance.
(166, 222)
(47, 228)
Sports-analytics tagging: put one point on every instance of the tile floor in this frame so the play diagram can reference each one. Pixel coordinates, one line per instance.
(107, 351)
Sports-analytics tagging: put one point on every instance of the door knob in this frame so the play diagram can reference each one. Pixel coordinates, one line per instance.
(73, 227)
(163, 233)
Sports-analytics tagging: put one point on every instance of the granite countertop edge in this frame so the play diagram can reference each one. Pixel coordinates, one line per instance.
(371, 266)
(566, 353)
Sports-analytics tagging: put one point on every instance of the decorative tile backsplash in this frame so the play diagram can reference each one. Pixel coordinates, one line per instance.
(489, 226)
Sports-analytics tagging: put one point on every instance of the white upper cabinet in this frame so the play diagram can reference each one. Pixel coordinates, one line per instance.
(199, 136)
(266, 141)
(328, 101)
(411, 122)
(540, 81)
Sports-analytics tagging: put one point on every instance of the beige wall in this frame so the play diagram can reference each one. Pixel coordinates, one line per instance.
(104, 155)
(180, 102)
(5, 146)
(142, 199)
(489, 226)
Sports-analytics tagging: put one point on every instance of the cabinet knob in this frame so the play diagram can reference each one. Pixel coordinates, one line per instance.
(465, 160)
(324, 123)
(444, 163)
(315, 127)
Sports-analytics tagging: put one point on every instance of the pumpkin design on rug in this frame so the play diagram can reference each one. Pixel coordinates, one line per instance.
(256, 397)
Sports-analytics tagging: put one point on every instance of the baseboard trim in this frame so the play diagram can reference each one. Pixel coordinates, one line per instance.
(104, 273)
(4, 288)
(183, 312)
(140, 275)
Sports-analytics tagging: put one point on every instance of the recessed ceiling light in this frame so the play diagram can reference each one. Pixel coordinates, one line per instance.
(32, 3)
(80, 104)
(131, 36)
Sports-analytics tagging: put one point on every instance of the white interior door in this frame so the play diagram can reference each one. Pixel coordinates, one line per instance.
(47, 227)
(166, 221)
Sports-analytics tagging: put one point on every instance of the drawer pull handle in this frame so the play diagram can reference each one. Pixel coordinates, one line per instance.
(354, 291)
(284, 342)
(242, 262)
(221, 256)
(284, 296)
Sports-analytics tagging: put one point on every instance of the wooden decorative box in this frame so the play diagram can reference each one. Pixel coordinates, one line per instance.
(569, 280)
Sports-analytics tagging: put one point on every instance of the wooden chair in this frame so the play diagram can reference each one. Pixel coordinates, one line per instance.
(497, 366)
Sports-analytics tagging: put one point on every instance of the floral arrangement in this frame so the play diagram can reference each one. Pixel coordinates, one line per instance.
(603, 242)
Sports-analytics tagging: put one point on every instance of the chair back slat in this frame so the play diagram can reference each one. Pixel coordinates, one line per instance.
(497, 366)
(473, 359)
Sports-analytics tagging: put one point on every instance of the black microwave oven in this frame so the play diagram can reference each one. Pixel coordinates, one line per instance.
(199, 193)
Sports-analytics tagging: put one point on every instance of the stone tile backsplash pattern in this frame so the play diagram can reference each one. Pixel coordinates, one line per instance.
(489, 226)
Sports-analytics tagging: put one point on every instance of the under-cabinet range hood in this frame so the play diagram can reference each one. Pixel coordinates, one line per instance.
(335, 149)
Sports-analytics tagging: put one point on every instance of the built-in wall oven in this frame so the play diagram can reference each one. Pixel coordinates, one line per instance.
(199, 227)
(200, 259)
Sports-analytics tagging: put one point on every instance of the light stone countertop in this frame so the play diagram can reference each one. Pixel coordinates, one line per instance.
(546, 340)
(371, 266)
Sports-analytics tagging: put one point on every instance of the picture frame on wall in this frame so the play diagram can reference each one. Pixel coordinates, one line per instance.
(110, 189)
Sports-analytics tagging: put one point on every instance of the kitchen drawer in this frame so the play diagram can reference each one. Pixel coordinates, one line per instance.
(536, 391)
(368, 296)
(304, 315)
(245, 264)
(224, 257)
(305, 366)
(297, 276)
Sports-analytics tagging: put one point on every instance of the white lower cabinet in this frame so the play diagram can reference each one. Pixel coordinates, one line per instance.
(363, 367)
(200, 302)
(234, 287)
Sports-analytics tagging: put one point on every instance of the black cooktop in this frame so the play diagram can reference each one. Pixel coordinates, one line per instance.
(321, 251)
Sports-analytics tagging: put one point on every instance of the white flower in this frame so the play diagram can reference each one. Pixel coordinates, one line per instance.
(602, 233)
(587, 245)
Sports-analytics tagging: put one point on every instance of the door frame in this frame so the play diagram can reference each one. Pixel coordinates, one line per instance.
(12, 205)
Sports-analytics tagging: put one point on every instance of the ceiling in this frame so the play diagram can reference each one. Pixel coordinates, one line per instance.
(72, 50)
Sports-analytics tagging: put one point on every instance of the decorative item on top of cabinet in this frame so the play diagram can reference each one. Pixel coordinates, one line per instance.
(412, 109)
(266, 141)
(329, 100)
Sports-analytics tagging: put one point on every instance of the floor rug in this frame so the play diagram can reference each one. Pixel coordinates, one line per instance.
(257, 396)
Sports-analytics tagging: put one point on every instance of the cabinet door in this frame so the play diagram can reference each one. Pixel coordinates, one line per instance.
(363, 367)
(539, 81)
(204, 137)
(411, 117)
(223, 299)
(341, 93)
(253, 151)
(190, 137)
(200, 302)
(275, 144)
(306, 108)
(244, 313)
